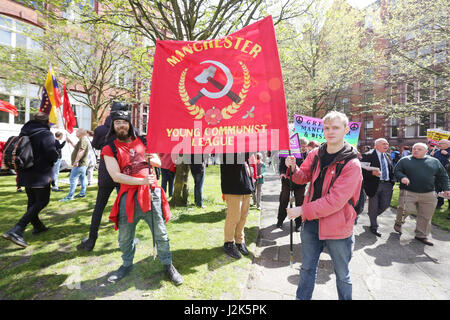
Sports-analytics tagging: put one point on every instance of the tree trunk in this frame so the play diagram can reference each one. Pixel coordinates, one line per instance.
(181, 190)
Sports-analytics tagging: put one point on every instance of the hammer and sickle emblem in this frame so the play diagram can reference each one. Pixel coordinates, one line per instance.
(207, 75)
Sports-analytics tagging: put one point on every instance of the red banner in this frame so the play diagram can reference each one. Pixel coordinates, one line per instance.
(218, 96)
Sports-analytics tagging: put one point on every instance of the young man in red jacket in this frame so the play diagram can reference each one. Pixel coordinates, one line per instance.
(327, 210)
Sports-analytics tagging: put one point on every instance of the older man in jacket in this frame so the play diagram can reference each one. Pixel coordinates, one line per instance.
(418, 175)
(378, 184)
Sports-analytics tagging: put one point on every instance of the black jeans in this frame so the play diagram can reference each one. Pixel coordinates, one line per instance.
(103, 194)
(299, 195)
(38, 199)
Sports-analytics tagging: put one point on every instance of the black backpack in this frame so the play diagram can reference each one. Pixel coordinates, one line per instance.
(18, 153)
(359, 205)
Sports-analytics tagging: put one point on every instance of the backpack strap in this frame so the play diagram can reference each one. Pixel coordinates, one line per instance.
(338, 170)
(339, 167)
(113, 147)
(143, 139)
(314, 163)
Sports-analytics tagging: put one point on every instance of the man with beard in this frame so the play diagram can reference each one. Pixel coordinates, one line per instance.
(139, 197)
(105, 184)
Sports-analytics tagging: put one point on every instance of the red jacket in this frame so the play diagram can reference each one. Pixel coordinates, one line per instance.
(130, 157)
(336, 216)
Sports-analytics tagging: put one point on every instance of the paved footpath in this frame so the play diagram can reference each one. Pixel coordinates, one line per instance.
(392, 267)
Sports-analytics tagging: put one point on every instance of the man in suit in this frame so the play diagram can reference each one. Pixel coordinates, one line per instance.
(378, 184)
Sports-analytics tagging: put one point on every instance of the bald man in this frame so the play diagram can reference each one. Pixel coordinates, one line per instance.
(378, 184)
(418, 175)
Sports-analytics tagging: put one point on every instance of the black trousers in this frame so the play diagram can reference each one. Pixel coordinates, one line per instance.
(38, 199)
(103, 194)
(299, 195)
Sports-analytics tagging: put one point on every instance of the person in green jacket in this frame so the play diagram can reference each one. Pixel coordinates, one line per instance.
(260, 172)
(418, 174)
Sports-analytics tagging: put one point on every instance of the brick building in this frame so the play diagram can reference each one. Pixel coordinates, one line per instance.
(364, 102)
(15, 17)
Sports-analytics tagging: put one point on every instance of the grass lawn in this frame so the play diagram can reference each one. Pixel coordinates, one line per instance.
(51, 267)
(439, 217)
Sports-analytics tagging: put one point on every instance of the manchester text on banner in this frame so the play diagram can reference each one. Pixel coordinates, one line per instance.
(219, 96)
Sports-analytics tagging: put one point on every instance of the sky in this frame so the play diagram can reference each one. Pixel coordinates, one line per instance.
(360, 3)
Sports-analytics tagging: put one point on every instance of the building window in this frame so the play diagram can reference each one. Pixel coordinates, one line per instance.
(144, 118)
(16, 34)
(5, 31)
(440, 88)
(20, 104)
(346, 106)
(368, 102)
(25, 99)
(410, 92)
(424, 124)
(368, 128)
(394, 128)
(83, 115)
(4, 116)
(410, 127)
(424, 91)
(368, 79)
(395, 96)
(440, 121)
(74, 9)
(424, 51)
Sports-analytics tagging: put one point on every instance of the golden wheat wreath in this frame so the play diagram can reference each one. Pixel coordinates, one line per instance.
(227, 111)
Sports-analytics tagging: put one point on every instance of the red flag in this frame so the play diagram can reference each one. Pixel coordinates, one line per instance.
(8, 107)
(69, 118)
(219, 96)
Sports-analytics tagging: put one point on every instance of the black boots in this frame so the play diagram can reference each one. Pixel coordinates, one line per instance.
(120, 273)
(173, 274)
(87, 244)
(15, 235)
(231, 250)
(169, 269)
(242, 248)
(39, 229)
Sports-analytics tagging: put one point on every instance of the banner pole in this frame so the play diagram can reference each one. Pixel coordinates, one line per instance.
(153, 218)
(291, 223)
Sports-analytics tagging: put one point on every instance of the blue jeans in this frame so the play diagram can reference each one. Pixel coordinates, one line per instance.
(340, 252)
(75, 174)
(55, 172)
(167, 177)
(199, 179)
(155, 221)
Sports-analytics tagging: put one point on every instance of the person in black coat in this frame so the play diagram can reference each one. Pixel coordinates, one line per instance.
(237, 186)
(36, 179)
(299, 189)
(378, 184)
(105, 183)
